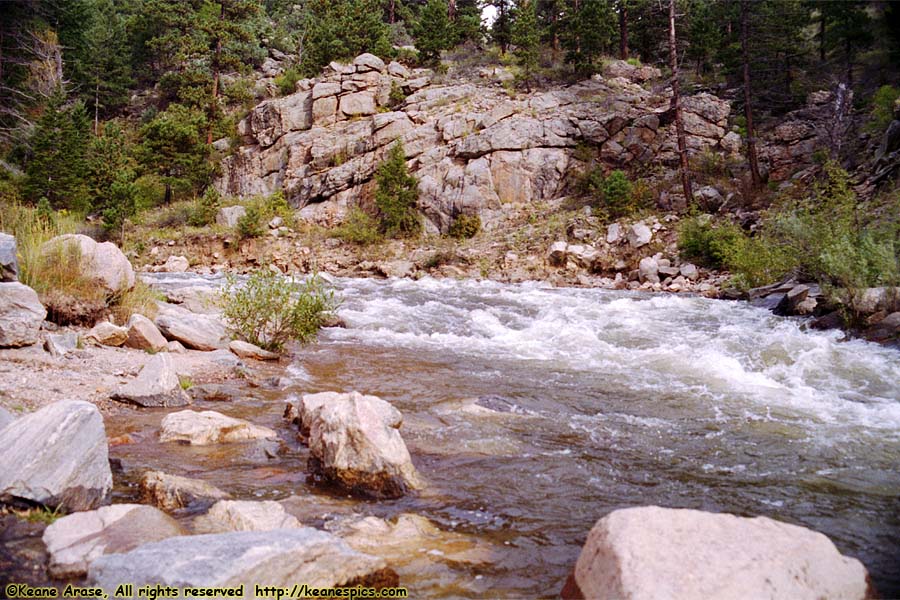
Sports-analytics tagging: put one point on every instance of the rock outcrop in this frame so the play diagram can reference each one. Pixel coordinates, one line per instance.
(210, 427)
(21, 315)
(355, 442)
(103, 264)
(172, 492)
(652, 552)
(471, 147)
(56, 456)
(156, 385)
(283, 558)
(76, 540)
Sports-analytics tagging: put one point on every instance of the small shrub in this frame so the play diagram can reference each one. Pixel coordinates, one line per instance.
(710, 245)
(359, 227)
(710, 163)
(250, 224)
(203, 212)
(465, 226)
(270, 310)
(397, 195)
(613, 194)
(883, 108)
(634, 61)
(287, 81)
(397, 96)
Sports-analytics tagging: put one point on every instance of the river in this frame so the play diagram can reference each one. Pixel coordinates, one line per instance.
(597, 400)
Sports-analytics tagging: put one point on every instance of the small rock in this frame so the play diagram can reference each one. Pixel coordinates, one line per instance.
(248, 350)
(689, 271)
(156, 385)
(613, 233)
(175, 347)
(639, 235)
(242, 515)
(210, 427)
(171, 492)
(368, 62)
(557, 254)
(175, 264)
(60, 344)
(9, 265)
(143, 334)
(228, 216)
(74, 541)
(107, 334)
(213, 392)
(276, 222)
(21, 315)
(396, 268)
(667, 271)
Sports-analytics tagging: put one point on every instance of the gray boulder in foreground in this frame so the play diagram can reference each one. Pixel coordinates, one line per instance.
(21, 315)
(282, 557)
(56, 456)
(652, 552)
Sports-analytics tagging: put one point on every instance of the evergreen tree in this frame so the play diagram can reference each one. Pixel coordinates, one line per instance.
(467, 25)
(341, 30)
(110, 177)
(590, 31)
(57, 165)
(501, 28)
(848, 29)
(433, 33)
(704, 33)
(396, 195)
(526, 38)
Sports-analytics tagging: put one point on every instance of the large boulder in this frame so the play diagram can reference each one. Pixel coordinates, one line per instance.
(172, 492)
(104, 264)
(355, 441)
(200, 332)
(21, 315)
(282, 557)
(77, 539)
(156, 385)
(652, 552)
(143, 334)
(9, 265)
(228, 216)
(210, 427)
(56, 456)
(245, 515)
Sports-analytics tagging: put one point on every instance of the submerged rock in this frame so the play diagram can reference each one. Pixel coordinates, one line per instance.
(245, 515)
(355, 441)
(210, 427)
(76, 540)
(21, 315)
(283, 557)
(652, 552)
(156, 385)
(171, 492)
(56, 456)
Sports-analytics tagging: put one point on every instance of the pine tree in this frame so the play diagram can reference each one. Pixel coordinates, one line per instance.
(341, 30)
(110, 177)
(396, 195)
(433, 32)
(526, 38)
(589, 33)
(501, 28)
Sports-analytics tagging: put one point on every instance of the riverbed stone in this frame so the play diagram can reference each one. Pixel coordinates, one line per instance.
(355, 442)
(652, 552)
(199, 332)
(60, 344)
(210, 427)
(21, 315)
(282, 557)
(74, 541)
(228, 216)
(689, 271)
(56, 456)
(639, 235)
(107, 334)
(245, 515)
(144, 335)
(248, 350)
(156, 385)
(9, 264)
(649, 270)
(103, 263)
(172, 492)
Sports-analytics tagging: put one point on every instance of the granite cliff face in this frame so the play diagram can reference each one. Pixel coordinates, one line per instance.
(472, 146)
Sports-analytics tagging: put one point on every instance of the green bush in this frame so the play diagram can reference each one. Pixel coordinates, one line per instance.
(359, 227)
(465, 226)
(270, 310)
(287, 81)
(613, 194)
(397, 96)
(396, 195)
(250, 225)
(710, 245)
(883, 108)
(203, 212)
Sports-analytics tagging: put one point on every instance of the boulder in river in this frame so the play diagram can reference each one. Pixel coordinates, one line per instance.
(245, 515)
(652, 552)
(171, 492)
(77, 539)
(248, 350)
(21, 315)
(200, 332)
(210, 427)
(56, 456)
(103, 264)
(156, 385)
(354, 441)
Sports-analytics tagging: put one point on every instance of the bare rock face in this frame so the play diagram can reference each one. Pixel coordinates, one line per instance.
(210, 427)
(56, 456)
(171, 492)
(103, 263)
(245, 515)
(156, 385)
(21, 315)
(143, 334)
(74, 541)
(354, 441)
(283, 558)
(652, 552)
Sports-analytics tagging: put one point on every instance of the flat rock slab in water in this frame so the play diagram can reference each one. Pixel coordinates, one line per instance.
(245, 515)
(210, 427)
(271, 558)
(156, 385)
(172, 492)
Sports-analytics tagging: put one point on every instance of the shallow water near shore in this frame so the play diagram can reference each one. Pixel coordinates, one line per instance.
(532, 412)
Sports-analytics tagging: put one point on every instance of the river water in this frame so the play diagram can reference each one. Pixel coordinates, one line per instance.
(532, 412)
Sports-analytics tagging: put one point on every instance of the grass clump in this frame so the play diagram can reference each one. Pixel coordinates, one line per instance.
(287, 81)
(270, 310)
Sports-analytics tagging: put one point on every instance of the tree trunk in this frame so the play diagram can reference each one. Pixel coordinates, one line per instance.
(676, 106)
(392, 11)
(451, 10)
(623, 30)
(748, 106)
(96, 108)
(217, 67)
(821, 34)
